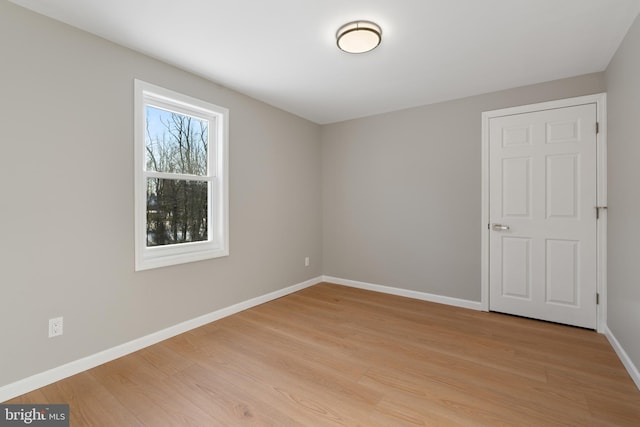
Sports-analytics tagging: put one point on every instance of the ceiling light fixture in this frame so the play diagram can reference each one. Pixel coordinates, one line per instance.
(359, 36)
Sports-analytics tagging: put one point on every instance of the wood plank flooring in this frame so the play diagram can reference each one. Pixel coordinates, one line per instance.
(336, 356)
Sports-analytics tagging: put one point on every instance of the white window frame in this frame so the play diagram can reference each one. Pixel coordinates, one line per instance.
(217, 244)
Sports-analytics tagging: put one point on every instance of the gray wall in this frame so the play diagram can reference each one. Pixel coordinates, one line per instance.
(401, 191)
(66, 211)
(623, 104)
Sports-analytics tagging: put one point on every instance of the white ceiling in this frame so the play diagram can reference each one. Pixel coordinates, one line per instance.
(283, 52)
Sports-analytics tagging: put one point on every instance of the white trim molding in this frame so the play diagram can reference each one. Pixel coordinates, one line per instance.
(600, 100)
(624, 357)
(42, 379)
(456, 302)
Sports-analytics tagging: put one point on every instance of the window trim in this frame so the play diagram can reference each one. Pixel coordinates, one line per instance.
(217, 176)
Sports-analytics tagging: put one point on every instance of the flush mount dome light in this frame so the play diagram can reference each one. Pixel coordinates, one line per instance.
(359, 37)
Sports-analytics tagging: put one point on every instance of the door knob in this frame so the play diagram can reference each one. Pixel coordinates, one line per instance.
(499, 227)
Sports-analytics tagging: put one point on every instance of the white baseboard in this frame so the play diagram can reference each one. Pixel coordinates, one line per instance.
(624, 357)
(42, 379)
(405, 293)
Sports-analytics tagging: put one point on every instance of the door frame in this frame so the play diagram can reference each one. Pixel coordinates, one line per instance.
(600, 99)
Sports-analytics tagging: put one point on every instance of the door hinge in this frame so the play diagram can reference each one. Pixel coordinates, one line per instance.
(597, 128)
(598, 211)
(597, 299)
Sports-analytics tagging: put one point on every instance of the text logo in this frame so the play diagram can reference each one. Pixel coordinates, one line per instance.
(34, 415)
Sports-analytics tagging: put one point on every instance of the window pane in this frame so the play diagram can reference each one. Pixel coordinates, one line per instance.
(176, 143)
(176, 211)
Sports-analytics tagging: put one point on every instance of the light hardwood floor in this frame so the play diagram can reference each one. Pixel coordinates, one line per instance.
(331, 355)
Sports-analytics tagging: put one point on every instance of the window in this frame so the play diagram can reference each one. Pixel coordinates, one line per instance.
(181, 178)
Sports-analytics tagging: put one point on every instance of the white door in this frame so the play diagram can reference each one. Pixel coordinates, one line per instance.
(542, 195)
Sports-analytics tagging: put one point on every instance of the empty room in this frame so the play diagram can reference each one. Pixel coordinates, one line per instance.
(320, 213)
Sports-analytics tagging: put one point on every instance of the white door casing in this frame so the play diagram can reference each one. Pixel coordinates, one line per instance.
(542, 245)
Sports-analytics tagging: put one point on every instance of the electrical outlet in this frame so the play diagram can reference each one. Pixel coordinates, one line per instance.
(306, 261)
(55, 327)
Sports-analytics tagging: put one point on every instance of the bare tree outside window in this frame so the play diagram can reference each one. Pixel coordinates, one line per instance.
(177, 209)
(181, 178)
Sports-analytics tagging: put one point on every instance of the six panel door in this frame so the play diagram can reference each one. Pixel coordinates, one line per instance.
(542, 244)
